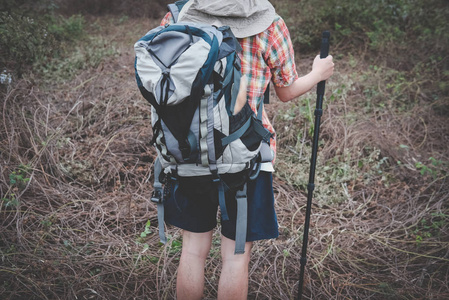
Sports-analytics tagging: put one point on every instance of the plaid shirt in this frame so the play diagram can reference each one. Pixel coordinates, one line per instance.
(267, 56)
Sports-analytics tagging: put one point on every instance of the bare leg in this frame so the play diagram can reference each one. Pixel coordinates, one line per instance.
(190, 280)
(234, 274)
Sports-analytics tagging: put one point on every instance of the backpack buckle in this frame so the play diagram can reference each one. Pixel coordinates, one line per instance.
(156, 197)
(241, 192)
(215, 177)
(240, 196)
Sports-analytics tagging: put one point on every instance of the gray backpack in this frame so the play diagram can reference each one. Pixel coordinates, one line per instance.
(190, 74)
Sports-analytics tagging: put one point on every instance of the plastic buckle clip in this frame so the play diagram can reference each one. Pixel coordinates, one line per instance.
(156, 197)
(240, 196)
(241, 193)
(215, 177)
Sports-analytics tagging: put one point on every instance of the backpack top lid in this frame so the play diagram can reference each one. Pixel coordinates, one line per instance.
(176, 54)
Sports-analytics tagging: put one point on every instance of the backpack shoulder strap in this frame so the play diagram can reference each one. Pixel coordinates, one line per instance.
(175, 8)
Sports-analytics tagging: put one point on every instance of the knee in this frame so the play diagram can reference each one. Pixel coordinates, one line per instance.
(196, 246)
(236, 260)
(195, 253)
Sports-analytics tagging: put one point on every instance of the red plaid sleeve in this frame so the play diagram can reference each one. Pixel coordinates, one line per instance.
(279, 55)
(268, 56)
(168, 19)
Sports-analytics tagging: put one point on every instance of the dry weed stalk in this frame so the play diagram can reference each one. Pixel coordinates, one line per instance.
(71, 224)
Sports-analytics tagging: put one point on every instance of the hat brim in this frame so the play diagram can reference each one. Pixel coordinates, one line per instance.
(241, 26)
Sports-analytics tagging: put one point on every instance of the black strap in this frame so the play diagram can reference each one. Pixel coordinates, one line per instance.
(266, 95)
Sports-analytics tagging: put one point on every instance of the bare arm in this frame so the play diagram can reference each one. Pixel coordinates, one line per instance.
(322, 69)
(241, 96)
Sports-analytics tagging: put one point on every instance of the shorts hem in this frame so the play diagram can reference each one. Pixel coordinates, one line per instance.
(187, 228)
(256, 237)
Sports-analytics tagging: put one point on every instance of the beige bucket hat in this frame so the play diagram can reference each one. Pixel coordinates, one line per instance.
(245, 17)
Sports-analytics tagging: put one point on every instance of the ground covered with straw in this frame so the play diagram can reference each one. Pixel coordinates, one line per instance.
(76, 178)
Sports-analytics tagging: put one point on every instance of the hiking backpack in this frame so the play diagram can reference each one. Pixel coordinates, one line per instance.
(190, 74)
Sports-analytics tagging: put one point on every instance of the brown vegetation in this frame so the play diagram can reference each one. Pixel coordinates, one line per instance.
(75, 183)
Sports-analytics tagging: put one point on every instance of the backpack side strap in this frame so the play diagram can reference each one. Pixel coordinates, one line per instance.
(158, 198)
(242, 220)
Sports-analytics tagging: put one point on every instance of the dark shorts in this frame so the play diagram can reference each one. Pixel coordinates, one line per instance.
(193, 207)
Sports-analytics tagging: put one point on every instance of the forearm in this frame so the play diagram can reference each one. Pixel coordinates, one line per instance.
(301, 86)
(322, 69)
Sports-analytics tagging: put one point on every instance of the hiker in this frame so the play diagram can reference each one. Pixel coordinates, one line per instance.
(267, 56)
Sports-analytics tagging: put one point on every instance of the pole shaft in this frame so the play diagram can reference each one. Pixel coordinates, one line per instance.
(311, 186)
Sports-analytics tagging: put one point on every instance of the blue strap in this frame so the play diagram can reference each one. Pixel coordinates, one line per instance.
(236, 134)
(262, 131)
(193, 146)
(174, 180)
(229, 77)
(236, 75)
(222, 201)
(259, 111)
(175, 189)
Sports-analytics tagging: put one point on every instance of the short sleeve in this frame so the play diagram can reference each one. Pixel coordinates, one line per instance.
(280, 56)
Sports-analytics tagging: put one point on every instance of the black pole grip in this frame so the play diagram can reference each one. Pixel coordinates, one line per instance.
(324, 52)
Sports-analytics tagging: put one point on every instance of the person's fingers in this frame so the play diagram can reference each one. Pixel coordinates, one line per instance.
(325, 66)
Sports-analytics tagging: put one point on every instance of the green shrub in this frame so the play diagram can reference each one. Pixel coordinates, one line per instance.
(380, 25)
(88, 53)
(67, 29)
(31, 33)
(132, 8)
(23, 40)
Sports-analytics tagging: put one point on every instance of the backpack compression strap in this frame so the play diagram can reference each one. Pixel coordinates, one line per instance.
(158, 198)
(241, 195)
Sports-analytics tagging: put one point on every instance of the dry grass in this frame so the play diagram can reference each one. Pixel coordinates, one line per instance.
(74, 231)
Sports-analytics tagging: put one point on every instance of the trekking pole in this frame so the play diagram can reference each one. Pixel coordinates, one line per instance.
(311, 186)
